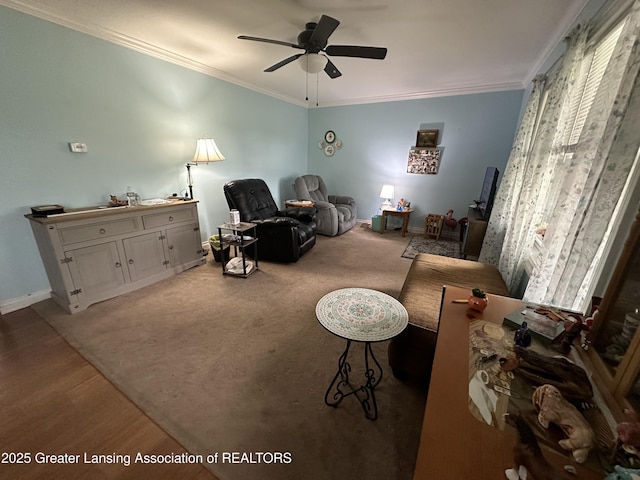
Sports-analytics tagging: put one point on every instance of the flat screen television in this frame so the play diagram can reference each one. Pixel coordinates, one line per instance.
(485, 202)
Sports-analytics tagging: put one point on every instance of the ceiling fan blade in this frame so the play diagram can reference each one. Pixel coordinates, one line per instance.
(325, 27)
(377, 53)
(331, 70)
(283, 62)
(267, 40)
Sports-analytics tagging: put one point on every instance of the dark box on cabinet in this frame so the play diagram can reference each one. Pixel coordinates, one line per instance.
(543, 326)
(44, 210)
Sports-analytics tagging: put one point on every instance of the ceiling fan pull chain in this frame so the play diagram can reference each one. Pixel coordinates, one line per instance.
(306, 88)
(317, 87)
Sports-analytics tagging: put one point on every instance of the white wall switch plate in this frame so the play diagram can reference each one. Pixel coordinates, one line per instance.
(78, 147)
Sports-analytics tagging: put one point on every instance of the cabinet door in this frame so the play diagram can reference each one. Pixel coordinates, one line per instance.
(618, 341)
(615, 334)
(183, 244)
(474, 238)
(95, 269)
(620, 317)
(145, 255)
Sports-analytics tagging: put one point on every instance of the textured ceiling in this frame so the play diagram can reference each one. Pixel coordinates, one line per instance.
(435, 47)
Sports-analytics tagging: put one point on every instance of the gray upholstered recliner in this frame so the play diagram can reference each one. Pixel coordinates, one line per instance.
(336, 213)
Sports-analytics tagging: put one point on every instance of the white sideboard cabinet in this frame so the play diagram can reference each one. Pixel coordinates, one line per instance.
(91, 255)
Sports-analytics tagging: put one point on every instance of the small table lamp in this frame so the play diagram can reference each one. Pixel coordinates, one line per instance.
(206, 151)
(387, 193)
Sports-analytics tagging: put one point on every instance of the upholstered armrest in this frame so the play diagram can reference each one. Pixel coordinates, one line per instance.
(322, 205)
(303, 214)
(278, 239)
(277, 222)
(341, 199)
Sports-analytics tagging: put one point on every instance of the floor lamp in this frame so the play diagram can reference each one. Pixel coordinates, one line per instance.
(206, 151)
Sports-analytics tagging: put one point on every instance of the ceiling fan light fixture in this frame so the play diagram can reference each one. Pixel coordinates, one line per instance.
(312, 62)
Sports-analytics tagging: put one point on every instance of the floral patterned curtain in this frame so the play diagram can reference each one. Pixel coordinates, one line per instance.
(591, 184)
(578, 197)
(518, 204)
(502, 229)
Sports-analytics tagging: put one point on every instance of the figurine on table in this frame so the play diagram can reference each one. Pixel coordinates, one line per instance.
(522, 337)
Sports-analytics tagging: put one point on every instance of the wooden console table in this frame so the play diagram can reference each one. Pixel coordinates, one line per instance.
(94, 254)
(454, 444)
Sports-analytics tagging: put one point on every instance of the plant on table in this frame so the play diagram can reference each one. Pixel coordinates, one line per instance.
(478, 300)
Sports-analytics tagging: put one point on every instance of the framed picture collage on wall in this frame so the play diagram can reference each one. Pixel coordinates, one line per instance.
(425, 157)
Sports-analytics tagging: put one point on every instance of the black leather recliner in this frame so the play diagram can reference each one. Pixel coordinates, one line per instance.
(283, 235)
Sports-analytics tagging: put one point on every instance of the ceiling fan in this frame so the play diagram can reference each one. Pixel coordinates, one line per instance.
(313, 40)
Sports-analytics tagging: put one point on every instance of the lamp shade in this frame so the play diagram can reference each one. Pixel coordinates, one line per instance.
(207, 151)
(312, 62)
(387, 192)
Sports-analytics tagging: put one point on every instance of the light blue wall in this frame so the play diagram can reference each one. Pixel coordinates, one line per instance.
(140, 118)
(476, 131)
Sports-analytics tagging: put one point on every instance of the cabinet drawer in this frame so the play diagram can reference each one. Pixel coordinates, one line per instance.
(98, 230)
(167, 218)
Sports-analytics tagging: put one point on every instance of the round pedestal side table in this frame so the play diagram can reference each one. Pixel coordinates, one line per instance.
(360, 315)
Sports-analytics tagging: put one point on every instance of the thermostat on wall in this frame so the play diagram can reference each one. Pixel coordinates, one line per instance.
(77, 147)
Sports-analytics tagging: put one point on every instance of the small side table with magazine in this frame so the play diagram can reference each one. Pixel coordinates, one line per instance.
(240, 236)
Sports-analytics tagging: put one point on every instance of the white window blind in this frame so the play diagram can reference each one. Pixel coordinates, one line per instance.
(590, 78)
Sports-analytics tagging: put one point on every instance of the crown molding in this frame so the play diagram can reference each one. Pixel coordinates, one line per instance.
(171, 57)
(555, 40)
(449, 92)
(144, 48)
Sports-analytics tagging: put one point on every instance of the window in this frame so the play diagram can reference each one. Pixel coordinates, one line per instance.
(590, 79)
(559, 172)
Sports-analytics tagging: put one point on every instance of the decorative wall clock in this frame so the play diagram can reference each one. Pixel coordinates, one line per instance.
(330, 136)
(330, 144)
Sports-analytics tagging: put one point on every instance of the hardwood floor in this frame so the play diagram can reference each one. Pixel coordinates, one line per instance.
(54, 402)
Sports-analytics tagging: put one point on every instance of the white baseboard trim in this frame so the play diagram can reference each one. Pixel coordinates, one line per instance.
(14, 304)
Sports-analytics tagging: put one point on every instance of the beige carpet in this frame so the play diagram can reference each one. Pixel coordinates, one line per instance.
(241, 365)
